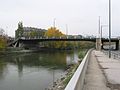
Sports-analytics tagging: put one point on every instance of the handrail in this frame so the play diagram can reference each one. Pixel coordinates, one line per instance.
(77, 81)
(114, 54)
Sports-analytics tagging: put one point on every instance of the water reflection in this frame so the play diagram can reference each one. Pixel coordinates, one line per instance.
(72, 57)
(20, 66)
(3, 69)
(34, 69)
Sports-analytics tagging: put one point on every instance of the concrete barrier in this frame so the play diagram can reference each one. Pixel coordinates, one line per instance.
(77, 81)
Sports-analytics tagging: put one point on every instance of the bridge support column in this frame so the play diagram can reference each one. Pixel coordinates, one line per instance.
(102, 45)
(98, 44)
(15, 44)
(117, 45)
(20, 45)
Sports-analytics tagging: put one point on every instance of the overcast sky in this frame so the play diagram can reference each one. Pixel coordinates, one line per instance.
(81, 16)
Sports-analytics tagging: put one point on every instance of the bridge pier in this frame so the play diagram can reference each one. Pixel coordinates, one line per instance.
(29, 45)
(117, 45)
(20, 45)
(98, 44)
(15, 45)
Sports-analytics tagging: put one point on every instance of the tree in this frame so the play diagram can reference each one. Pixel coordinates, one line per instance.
(2, 31)
(3, 42)
(53, 32)
(3, 39)
(19, 31)
(33, 34)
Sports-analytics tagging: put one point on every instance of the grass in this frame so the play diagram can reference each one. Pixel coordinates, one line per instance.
(82, 53)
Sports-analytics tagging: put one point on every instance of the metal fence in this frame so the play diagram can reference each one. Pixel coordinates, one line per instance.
(114, 54)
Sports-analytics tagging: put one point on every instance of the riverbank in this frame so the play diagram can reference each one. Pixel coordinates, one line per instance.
(13, 51)
(61, 83)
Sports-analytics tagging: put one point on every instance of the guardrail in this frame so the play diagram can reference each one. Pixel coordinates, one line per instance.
(77, 81)
(114, 54)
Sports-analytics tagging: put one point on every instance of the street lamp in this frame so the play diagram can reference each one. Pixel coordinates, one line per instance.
(54, 22)
(102, 30)
(66, 31)
(109, 28)
(101, 33)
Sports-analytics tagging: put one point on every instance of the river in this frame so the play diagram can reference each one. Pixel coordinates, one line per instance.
(34, 71)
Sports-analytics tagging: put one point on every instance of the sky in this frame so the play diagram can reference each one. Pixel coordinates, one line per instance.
(81, 16)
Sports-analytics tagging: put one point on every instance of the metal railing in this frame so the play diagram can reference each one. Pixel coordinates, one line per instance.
(114, 54)
(77, 81)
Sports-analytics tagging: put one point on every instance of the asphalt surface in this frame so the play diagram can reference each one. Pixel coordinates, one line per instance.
(95, 78)
(103, 73)
(110, 68)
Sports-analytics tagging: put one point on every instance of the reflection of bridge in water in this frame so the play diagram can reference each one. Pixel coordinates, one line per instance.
(35, 41)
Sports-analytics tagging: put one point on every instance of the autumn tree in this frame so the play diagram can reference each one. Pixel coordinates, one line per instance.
(53, 32)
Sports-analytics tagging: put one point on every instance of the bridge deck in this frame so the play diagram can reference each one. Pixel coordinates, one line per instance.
(68, 39)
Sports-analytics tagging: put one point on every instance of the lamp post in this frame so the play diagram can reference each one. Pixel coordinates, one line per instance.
(102, 29)
(101, 33)
(109, 28)
(66, 30)
(54, 22)
(99, 27)
(99, 38)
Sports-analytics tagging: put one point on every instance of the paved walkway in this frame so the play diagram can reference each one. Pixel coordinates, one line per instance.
(95, 79)
(111, 70)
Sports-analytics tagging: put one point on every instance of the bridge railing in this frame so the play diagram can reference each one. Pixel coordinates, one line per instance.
(62, 37)
(77, 81)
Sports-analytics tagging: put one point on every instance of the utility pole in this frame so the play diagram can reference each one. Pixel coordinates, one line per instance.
(99, 28)
(99, 36)
(109, 28)
(101, 31)
(102, 26)
(54, 22)
(66, 30)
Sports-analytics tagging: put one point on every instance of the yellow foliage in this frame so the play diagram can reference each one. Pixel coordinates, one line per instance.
(53, 32)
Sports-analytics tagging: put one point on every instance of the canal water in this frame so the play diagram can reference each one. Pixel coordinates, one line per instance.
(34, 71)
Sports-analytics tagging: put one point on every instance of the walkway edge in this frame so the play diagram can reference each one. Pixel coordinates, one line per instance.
(77, 81)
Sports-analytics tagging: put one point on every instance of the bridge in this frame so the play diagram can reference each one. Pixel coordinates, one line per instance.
(21, 42)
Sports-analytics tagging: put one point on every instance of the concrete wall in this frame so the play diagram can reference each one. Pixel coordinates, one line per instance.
(77, 81)
(98, 44)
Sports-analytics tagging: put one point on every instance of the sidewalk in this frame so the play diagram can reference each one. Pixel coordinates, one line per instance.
(110, 68)
(102, 73)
